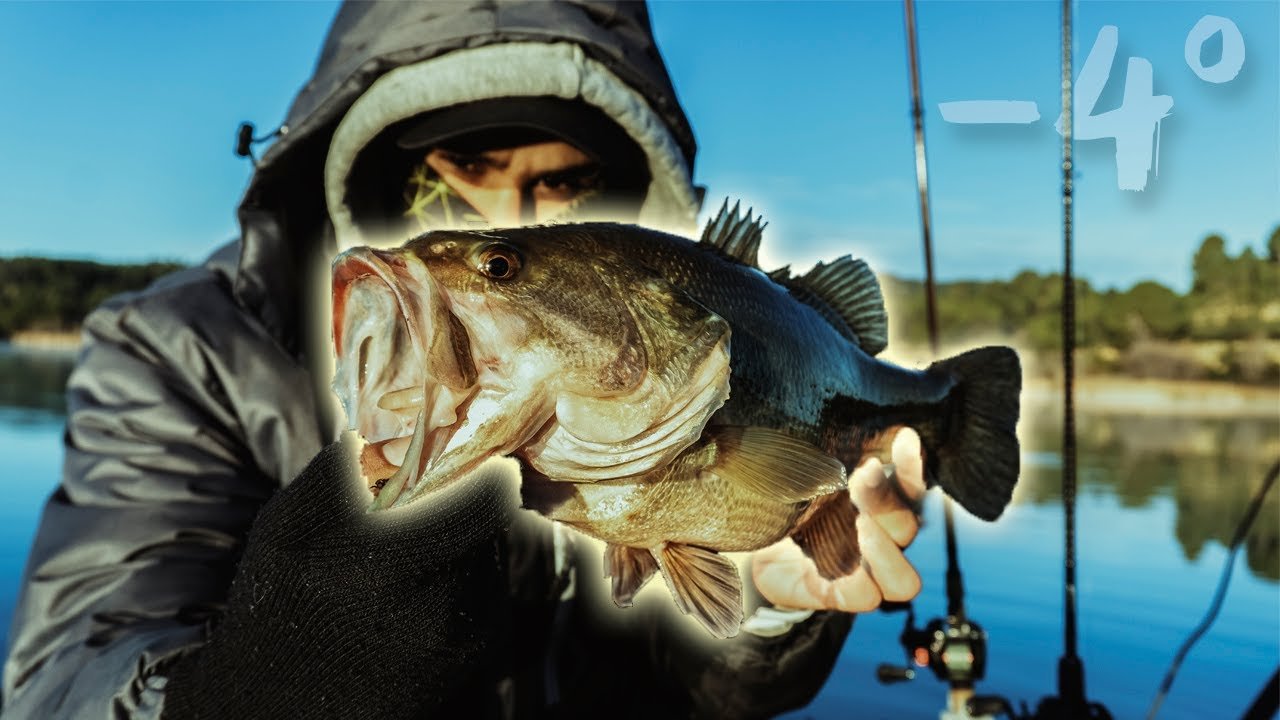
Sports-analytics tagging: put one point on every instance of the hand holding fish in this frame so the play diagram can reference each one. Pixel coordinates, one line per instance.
(886, 525)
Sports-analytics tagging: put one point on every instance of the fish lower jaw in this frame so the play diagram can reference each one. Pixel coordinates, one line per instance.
(381, 460)
(396, 465)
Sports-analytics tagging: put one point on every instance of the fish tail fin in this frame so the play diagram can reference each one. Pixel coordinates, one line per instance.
(972, 446)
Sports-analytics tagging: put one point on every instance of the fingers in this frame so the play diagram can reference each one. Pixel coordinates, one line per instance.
(787, 578)
(875, 496)
(908, 464)
(887, 523)
(882, 556)
(855, 593)
(779, 575)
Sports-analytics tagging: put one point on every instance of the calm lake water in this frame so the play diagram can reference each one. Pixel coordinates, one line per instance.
(1159, 500)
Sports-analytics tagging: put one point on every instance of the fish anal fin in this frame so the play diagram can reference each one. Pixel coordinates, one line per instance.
(630, 569)
(829, 536)
(773, 464)
(849, 290)
(704, 584)
(734, 235)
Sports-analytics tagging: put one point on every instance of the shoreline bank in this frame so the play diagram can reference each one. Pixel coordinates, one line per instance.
(1101, 394)
(46, 340)
(1119, 395)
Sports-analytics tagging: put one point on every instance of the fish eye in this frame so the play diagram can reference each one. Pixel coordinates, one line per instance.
(500, 262)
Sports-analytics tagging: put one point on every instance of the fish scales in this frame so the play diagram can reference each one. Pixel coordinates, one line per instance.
(790, 366)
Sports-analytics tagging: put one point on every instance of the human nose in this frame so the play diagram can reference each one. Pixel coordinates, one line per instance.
(505, 207)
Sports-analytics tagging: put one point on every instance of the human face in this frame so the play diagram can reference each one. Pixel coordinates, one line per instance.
(518, 185)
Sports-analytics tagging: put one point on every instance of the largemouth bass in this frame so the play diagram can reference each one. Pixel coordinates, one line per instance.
(661, 394)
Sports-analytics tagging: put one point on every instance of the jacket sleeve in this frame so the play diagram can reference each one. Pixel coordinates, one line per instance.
(749, 676)
(761, 676)
(183, 415)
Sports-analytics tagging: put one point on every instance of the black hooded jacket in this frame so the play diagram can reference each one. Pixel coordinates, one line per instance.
(195, 400)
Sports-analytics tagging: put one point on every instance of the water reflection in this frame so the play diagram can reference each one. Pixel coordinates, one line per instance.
(1210, 468)
(33, 380)
(1147, 484)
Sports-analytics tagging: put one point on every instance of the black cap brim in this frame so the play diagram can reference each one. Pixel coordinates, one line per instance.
(584, 126)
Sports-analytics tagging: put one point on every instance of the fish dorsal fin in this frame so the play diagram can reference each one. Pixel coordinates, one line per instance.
(773, 464)
(849, 289)
(737, 237)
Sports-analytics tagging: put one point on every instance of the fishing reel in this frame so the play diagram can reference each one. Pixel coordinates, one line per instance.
(954, 648)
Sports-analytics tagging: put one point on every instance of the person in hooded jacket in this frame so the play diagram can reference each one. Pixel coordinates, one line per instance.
(207, 553)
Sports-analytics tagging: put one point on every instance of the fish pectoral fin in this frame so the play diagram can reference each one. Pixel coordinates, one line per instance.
(774, 464)
(704, 584)
(630, 569)
(829, 536)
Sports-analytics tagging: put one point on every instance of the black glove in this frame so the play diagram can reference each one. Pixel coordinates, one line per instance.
(335, 612)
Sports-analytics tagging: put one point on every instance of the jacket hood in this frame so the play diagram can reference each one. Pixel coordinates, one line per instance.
(384, 62)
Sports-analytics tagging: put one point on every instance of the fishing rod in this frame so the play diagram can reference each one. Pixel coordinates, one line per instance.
(1071, 701)
(953, 647)
(1265, 705)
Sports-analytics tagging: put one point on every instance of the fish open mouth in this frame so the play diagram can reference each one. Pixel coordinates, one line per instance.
(404, 369)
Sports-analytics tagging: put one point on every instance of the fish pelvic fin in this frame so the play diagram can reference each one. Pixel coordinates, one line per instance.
(773, 464)
(704, 584)
(630, 569)
(847, 294)
(971, 450)
(829, 537)
(734, 235)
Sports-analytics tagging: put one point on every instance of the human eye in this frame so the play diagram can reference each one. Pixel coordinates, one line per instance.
(467, 165)
(567, 184)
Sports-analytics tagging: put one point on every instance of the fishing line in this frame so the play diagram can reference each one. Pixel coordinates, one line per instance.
(1251, 513)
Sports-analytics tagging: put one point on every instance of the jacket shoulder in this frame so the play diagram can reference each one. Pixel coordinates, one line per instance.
(175, 296)
(183, 358)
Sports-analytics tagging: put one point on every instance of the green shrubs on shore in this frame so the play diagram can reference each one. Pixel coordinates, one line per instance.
(1227, 327)
(42, 294)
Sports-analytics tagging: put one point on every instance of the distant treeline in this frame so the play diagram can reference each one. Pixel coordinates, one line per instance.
(55, 295)
(1234, 304)
(1226, 327)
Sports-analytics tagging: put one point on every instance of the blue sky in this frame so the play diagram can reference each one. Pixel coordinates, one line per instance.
(117, 120)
